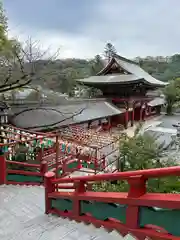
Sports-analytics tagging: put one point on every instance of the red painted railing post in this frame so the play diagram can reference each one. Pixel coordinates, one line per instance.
(79, 188)
(40, 155)
(2, 169)
(95, 165)
(49, 188)
(79, 164)
(103, 162)
(43, 168)
(137, 188)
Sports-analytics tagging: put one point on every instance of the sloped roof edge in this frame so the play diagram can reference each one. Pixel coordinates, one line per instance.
(112, 60)
(107, 66)
(132, 68)
(41, 119)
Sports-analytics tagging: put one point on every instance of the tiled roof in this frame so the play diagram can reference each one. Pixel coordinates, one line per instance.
(133, 70)
(63, 115)
(112, 79)
(157, 102)
(96, 111)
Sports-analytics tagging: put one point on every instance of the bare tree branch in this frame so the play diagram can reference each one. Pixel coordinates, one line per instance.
(47, 109)
(18, 67)
(40, 108)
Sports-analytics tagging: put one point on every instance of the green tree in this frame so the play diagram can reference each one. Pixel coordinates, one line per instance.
(3, 29)
(97, 65)
(172, 95)
(142, 152)
(109, 51)
(93, 92)
(139, 152)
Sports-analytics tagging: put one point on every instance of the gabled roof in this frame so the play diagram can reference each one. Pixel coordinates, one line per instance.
(135, 69)
(133, 73)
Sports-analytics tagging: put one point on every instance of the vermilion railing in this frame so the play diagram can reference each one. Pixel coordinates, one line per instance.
(31, 174)
(69, 162)
(21, 163)
(143, 214)
(66, 159)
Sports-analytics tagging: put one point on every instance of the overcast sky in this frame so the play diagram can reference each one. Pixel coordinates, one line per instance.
(82, 27)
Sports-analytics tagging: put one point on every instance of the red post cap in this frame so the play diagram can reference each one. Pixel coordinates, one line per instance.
(49, 174)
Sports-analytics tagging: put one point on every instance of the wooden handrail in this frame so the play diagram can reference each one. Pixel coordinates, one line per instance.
(24, 164)
(149, 173)
(134, 200)
(160, 200)
(22, 172)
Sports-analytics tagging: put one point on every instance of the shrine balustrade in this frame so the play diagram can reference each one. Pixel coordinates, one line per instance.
(30, 151)
(143, 214)
(64, 163)
(102, 157)
(22, 168)
(14, 172)
(20, 158)
(68, 162)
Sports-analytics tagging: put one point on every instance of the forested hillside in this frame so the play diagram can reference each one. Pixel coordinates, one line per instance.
(163, 68)
(60, 74)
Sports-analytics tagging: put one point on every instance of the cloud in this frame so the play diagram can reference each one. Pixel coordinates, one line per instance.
(82, 28)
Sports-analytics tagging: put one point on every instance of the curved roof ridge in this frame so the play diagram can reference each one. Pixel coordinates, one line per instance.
(112, 60)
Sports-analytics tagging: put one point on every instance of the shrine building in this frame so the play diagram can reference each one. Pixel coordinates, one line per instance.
(128, 87)
(127, 96)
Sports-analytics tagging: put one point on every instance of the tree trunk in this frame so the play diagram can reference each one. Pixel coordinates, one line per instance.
(169, 109)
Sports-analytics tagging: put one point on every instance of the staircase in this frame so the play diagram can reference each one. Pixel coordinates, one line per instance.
(22, 218)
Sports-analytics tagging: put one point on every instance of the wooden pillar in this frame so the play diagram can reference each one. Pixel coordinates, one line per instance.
(96, 161)
(141, 117)
(79, 188)
(141, 112)
(57, 154)
(49, 188)
(2, 169)
(39, 155)
(132, 118)
(132, 115)
(137, 188)
(109, 124)
(126, 119)
(103, 165)
(43, 168)
(126, 115)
